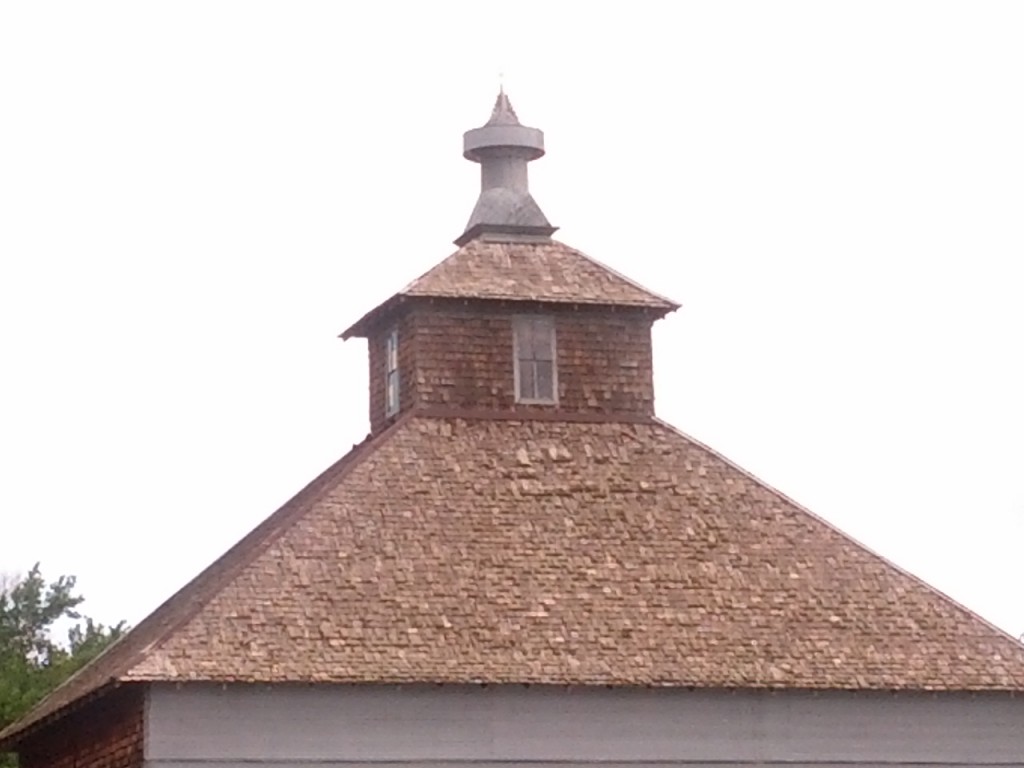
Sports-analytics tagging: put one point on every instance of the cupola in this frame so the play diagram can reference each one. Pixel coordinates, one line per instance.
(513, 324)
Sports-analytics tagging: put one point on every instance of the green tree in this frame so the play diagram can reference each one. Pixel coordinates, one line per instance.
(32, 663)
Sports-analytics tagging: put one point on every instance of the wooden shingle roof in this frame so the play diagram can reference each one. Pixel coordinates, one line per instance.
(545, 271)
(453, 550)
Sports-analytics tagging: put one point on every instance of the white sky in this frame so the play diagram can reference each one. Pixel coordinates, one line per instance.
(196, 197)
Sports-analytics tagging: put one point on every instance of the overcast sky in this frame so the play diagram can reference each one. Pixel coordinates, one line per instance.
(196, 197)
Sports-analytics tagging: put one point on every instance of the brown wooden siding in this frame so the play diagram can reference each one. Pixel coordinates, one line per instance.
(463, 358)
(106, 733)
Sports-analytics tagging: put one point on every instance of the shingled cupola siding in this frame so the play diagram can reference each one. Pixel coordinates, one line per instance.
(513, 322)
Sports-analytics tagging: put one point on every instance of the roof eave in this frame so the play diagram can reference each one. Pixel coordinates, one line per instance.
(29, 724)
(360, 329)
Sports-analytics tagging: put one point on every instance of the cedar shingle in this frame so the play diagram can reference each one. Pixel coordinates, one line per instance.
(601, 553)
(454, 550)
(545, 271)
(534, 271)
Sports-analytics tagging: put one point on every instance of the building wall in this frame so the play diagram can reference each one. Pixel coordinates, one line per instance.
(463, 358)
(548, 727)
(106, 733)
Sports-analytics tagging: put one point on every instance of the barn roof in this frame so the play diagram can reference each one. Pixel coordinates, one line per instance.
(458, 550)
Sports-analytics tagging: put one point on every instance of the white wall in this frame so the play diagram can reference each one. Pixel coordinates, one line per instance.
(514, 724)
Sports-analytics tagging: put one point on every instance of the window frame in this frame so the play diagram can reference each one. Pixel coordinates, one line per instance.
(392, 381)
(520, 322)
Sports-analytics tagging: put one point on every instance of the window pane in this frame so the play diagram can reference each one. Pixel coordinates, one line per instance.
(543, 339)
(527, 344)
(392, 350)
(524, 339)
(527, 388)
(545, 380)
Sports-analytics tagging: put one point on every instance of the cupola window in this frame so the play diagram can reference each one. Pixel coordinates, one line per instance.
(391, 375)
(536, 377)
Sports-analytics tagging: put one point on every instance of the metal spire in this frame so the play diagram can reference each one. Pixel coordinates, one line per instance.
(503, 113)
(503, 147)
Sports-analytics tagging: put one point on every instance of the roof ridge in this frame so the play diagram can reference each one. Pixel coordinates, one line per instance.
(404, 290)
(208, 583)
(852, 539)
(675, 304)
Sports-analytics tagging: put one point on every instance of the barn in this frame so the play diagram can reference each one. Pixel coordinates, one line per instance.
(523, 565)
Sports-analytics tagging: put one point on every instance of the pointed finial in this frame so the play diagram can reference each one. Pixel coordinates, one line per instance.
(503, 113)
(504, 147)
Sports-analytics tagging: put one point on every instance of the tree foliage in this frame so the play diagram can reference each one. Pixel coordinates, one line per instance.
(31, 662)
